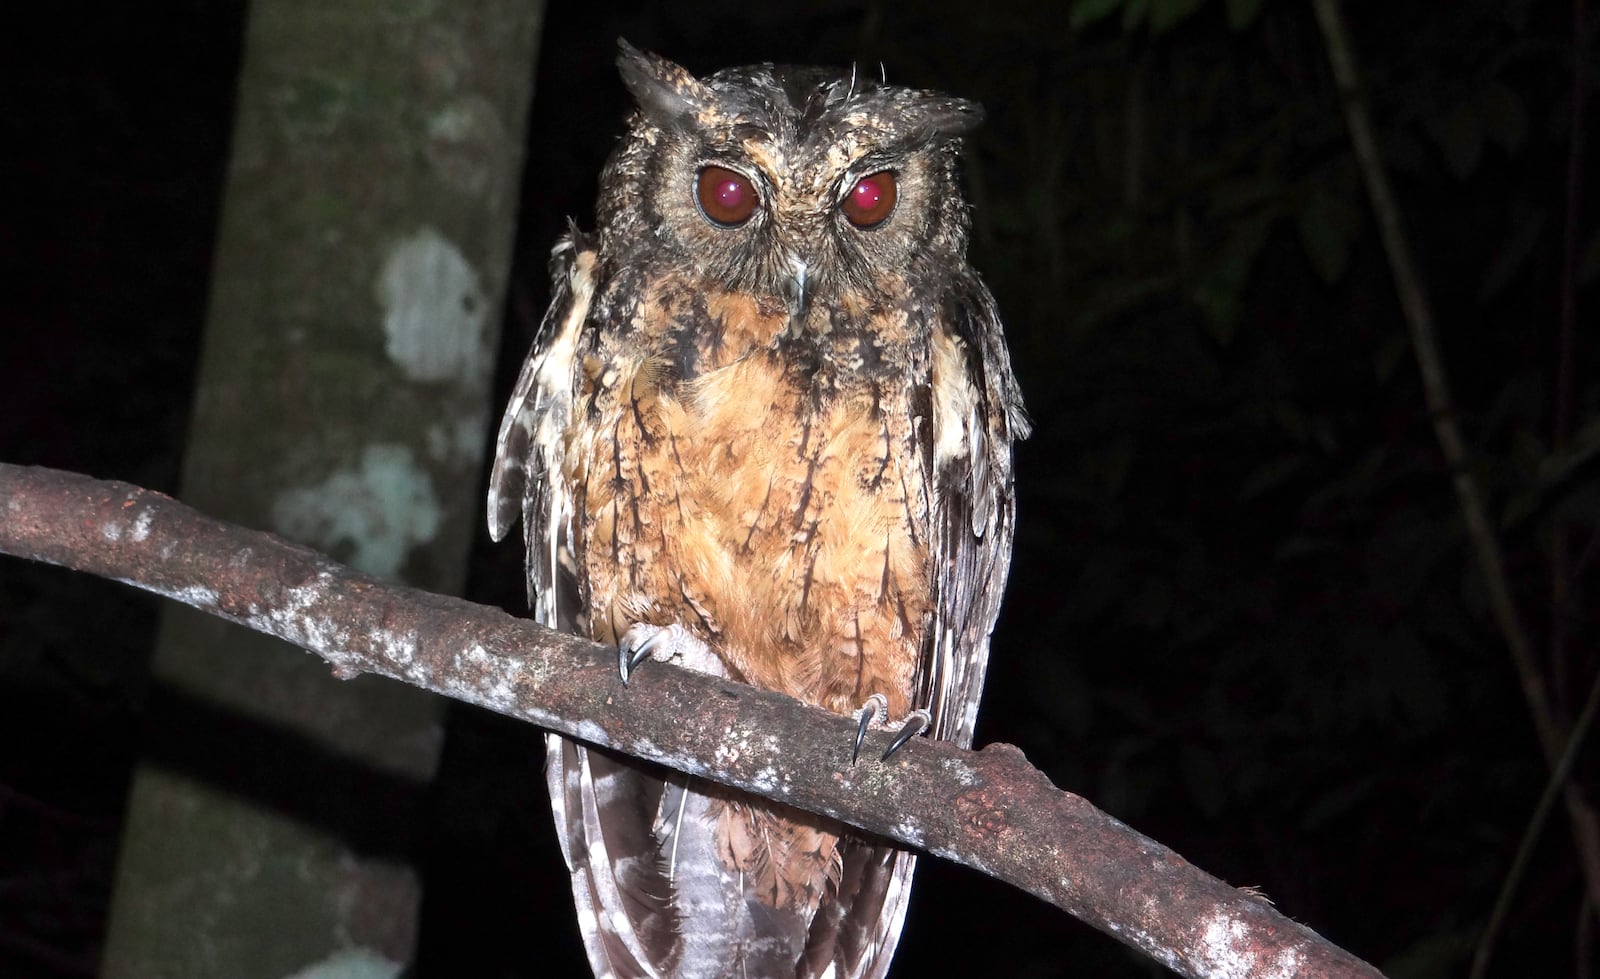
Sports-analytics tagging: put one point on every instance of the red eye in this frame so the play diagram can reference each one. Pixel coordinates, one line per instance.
(725, 197)
(871, 200)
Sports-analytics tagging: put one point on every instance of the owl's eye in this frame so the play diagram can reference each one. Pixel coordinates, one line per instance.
(725, 197)
(871, 200)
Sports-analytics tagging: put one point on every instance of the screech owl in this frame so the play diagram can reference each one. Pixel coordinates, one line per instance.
(765, 431)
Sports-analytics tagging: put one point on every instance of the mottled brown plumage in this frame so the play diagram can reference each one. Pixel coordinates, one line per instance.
(770, 434)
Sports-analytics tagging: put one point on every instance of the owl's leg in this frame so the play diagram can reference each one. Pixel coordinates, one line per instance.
(665, 644)
(876, 711)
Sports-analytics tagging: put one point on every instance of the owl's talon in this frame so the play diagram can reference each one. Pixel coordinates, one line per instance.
(636, 646)
(915, 723)
(628, 659)
(877, 706)
(665, 644)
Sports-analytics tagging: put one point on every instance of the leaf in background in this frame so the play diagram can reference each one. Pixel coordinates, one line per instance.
(1589, 265)
(1086, 12)
(1167, 14)
(1328, 226)
(1529, 455)
(1112, 299)
(1237, 195)
(1151, 606)
(1269, 477)
(1433, 957)
(1339, 801)
(1242, 13)
(1564, 485)
(1391, 354)
(1512, 255)
(1404, 152)
(1459, 133)
(1581, 449)
(1519, 507)
(1133, 14)
(1218, 290)
(1404, 670)
(1301, 546)
(1503, 117)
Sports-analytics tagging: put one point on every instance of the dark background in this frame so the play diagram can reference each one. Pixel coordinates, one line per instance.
(1243, 616)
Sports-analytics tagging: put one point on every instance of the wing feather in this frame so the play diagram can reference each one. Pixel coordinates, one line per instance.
(976, 415)
(530, 450)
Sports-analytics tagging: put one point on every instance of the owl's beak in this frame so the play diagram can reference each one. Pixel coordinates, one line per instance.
(799, 298)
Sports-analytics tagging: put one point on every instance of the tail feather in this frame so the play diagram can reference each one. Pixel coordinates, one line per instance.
(658, 897)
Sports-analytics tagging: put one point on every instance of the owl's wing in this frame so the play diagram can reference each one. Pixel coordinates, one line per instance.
(527, 479)
(605, 806)
(975, 410)
(976, 414)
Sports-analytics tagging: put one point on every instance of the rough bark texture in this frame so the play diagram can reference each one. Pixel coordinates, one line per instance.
(988, 809)
(361, 259)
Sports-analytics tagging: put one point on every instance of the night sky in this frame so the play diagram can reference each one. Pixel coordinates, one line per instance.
(1243, 617)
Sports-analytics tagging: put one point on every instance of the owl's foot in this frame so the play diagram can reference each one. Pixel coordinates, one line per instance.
(665, 644)
(874, 712)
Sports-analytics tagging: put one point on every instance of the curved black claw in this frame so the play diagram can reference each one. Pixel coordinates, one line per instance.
(627, 658)
(870, 711)
(916, 722)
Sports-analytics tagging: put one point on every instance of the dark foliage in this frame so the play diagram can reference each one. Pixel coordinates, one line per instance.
(1243, 617)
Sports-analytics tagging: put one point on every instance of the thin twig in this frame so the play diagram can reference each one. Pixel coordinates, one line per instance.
(1530, 835)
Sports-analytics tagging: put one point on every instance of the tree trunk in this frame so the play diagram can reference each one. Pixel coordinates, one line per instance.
(342, 402)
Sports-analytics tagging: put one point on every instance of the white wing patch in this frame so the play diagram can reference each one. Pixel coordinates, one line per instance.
(963, 484)
(955, 401)
(529, 452)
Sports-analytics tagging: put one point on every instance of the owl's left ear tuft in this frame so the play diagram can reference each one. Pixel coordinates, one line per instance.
(666, 92)
(946, 116)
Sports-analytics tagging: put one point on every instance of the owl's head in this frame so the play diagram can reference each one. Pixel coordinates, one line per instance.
(793, 183)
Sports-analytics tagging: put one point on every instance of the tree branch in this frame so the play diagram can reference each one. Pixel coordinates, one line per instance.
(988, 809)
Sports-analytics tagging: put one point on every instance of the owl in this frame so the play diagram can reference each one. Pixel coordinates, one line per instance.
(765, 432)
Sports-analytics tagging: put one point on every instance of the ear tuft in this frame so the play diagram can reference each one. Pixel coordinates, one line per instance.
(952, 117)
(664, 91)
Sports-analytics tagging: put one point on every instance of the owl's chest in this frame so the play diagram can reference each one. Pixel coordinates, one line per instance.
(769, 492)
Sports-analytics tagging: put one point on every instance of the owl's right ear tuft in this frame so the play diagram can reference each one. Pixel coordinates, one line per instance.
(666, 92)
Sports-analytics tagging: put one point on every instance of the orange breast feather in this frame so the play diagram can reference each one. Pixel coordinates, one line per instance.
(775, 512)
